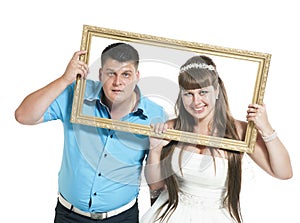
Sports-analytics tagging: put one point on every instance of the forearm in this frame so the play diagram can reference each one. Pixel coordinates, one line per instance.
(272, 156)
(33, 107)
(279, 159)
(153, 171)
(153, 176)
(269, 152)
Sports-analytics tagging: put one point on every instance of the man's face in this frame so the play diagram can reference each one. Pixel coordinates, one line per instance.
(119, 80)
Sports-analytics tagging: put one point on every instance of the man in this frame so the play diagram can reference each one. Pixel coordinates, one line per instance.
(100, 171)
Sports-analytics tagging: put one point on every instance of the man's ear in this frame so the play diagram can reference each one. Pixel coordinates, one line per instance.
(100, 73)
(138, 74)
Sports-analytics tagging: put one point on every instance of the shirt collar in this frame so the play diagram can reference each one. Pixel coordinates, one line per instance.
(94, 92)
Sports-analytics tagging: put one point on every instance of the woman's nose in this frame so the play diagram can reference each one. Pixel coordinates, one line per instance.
(197, 98)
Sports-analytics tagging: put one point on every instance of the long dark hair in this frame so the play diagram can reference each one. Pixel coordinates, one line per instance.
(193, 76)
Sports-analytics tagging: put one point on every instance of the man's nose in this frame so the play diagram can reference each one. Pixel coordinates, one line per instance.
(117, 80)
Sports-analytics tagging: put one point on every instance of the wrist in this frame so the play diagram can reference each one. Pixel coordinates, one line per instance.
(269, 137)
(65, 81)
(266, 130)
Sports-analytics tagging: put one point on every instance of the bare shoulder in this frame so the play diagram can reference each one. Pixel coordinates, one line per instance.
(171, 123)
(241, 127)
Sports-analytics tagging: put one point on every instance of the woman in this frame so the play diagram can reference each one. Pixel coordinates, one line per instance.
(196, 183)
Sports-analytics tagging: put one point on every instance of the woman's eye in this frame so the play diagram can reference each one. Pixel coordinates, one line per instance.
(188, 94)
(203, 92)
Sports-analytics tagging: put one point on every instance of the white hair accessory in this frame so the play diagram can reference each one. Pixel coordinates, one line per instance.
(197, 65)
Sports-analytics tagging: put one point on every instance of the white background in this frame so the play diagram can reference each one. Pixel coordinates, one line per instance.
(38, 39)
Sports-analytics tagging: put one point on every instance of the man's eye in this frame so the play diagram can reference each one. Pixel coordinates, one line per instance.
(126, 74)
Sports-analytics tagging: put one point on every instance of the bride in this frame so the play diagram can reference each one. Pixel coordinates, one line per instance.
(194, 183)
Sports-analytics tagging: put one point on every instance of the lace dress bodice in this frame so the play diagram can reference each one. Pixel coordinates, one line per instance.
(202, 183)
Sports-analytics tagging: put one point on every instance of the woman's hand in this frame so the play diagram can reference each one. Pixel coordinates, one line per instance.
(158, 143)
(258, 115)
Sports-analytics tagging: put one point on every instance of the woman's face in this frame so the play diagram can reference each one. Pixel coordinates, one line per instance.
(200, 103)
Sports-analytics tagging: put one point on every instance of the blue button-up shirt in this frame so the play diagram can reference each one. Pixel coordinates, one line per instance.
(101, 168)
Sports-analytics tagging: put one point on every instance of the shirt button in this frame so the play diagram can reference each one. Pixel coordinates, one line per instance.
(99, 174)
(105, 155)
(95, 194)
(111, 136)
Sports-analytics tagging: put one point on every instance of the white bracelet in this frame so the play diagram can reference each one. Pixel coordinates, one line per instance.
(270, 137)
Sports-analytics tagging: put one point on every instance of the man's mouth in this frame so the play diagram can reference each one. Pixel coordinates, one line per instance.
(116, 90)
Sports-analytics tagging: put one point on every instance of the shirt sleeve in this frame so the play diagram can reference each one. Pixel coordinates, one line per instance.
(61, 107)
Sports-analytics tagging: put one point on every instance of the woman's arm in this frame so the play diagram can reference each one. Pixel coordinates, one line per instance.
(153, 168)
(269, 152)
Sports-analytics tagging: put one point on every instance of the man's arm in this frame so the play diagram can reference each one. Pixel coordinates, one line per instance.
(33, 107)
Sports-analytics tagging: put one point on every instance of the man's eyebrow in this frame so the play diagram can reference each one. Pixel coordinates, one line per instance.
(115, 71)
(129, 70)
(109, 69)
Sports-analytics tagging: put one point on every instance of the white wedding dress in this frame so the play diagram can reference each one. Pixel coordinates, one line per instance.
(202, 189)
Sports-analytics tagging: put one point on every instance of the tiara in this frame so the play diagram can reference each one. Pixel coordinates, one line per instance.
(198, 66)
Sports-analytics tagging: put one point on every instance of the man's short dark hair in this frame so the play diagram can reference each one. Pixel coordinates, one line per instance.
(121, 52)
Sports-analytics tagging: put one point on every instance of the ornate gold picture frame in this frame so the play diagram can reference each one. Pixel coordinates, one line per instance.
(244, 74)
